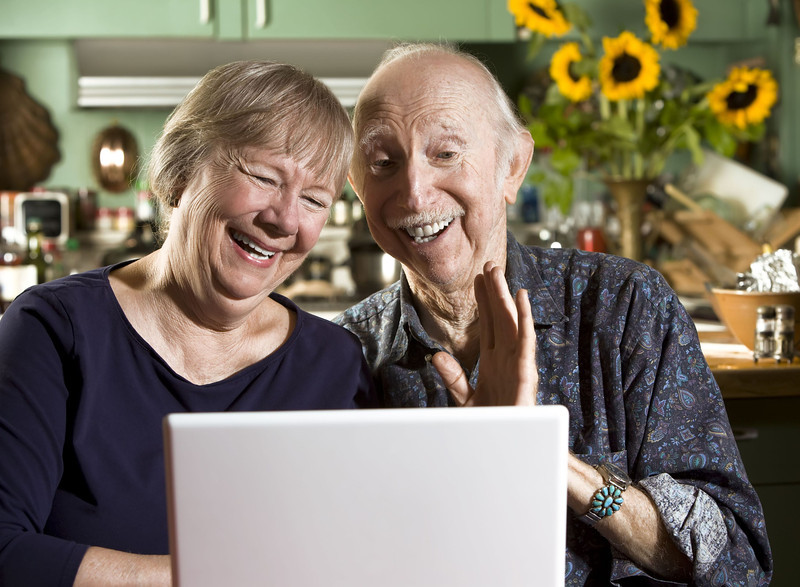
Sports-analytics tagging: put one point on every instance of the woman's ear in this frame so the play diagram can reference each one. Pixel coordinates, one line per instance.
(523, 154)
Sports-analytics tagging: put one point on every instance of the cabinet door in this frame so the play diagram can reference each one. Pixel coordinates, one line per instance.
(466, 20)
(106, 18)
(767, 430)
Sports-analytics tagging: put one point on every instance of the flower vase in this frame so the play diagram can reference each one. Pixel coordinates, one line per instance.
(629, 196)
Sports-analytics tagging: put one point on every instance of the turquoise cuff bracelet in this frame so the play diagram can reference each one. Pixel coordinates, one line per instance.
(607, 500)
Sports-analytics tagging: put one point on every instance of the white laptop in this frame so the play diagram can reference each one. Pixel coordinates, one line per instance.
(368, 498)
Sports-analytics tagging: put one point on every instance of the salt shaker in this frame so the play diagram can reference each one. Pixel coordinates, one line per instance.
(784, 333)
(764, 339)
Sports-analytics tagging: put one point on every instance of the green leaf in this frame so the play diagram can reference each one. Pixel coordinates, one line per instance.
(692, 138)
(720, 138)
(554, 97)
(541, 134)
(565, 161)
(535, 45)
(576, 15)
(524, 105)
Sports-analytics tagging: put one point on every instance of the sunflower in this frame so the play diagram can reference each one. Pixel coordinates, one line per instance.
(540, 16)
(629, 67)
(745, 98)
(576, 88)
(670, 21)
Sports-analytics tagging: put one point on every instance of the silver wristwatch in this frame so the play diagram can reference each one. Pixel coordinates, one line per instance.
(607, 500)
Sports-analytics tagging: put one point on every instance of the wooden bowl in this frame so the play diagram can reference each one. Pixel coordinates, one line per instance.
(737, 310)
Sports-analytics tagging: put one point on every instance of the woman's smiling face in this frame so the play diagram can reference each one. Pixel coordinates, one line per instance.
(250, 221)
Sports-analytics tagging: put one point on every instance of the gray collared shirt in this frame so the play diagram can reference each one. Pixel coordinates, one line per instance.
(616, 347)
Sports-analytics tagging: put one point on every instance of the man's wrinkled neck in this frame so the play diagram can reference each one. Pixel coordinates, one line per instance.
(450, 315)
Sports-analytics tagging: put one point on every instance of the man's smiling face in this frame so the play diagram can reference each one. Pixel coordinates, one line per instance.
(426, 169)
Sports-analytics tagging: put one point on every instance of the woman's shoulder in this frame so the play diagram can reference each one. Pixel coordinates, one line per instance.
(84, 289)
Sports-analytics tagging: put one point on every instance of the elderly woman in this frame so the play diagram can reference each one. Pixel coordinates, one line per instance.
(246, 171)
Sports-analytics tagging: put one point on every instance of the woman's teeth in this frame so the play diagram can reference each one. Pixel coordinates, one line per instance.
(427, 232)
(252, 248)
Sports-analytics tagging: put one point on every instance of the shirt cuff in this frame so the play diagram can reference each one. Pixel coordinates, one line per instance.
(691, 517)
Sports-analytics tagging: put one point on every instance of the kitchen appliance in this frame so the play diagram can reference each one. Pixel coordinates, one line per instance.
(51, 208)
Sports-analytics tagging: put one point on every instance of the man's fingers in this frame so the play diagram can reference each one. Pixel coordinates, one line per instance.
(504, 312)
(527, 333)
(453, 376)
(485, 319)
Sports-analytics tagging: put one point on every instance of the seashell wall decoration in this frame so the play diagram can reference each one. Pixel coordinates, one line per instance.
(28, 139)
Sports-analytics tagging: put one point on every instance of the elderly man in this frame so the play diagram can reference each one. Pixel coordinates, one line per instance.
(440, 154)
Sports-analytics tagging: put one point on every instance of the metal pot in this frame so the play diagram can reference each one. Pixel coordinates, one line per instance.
(370, 268)
(317, 267)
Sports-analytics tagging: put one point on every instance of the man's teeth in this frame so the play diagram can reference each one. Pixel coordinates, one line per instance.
(251, 247)
(427, 232)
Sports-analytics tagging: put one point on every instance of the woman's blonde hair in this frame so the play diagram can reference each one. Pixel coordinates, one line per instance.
(249, 104)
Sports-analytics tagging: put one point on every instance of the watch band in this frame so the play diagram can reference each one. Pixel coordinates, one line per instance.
(607, 500)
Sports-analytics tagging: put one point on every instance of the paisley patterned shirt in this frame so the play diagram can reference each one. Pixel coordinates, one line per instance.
(616, 347)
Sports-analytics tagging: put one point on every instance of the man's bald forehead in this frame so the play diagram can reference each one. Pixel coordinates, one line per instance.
(431, 66)
(408, 76)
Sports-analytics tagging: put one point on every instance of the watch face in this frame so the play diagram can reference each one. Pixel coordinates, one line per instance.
(616, 474)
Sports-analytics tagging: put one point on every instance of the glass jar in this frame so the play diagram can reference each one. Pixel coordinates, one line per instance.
(783, 347)
(764, 339)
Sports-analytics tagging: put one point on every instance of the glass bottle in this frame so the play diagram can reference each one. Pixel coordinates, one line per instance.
(54, 261)
(36, 256)
(72, 257)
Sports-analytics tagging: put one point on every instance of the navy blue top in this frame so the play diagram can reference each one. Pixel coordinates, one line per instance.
(82, 399)
(615, 346)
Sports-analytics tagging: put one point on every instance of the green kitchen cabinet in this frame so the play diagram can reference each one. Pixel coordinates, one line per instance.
(48, 19)
(467, 20)
(767, 430)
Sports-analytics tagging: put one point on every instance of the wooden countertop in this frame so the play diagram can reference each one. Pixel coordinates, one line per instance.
(738, 375)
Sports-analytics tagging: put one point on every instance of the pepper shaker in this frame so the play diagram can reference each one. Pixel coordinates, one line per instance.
(784, 333)
(764, 340)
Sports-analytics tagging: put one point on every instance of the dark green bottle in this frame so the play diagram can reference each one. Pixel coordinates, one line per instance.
(36, 255)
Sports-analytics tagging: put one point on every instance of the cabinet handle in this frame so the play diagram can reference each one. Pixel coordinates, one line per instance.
(205, 11)
(261, 14)
(740, 434)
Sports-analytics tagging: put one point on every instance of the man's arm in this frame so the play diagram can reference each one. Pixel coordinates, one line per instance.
(636, 529)
(508, 376)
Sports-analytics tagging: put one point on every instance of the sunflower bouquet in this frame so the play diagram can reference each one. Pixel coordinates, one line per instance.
(620, 110)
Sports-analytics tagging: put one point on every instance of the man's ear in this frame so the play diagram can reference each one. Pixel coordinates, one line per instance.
(523, 155)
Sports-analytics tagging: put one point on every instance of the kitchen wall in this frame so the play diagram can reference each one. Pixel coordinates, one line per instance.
(50, 74)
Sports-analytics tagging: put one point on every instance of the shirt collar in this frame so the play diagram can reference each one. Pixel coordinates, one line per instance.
(522, 272)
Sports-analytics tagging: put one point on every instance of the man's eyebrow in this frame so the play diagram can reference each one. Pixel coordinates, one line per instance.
(371, 133)
(452, 137)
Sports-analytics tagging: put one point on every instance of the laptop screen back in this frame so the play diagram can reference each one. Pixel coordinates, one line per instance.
(364, 498)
